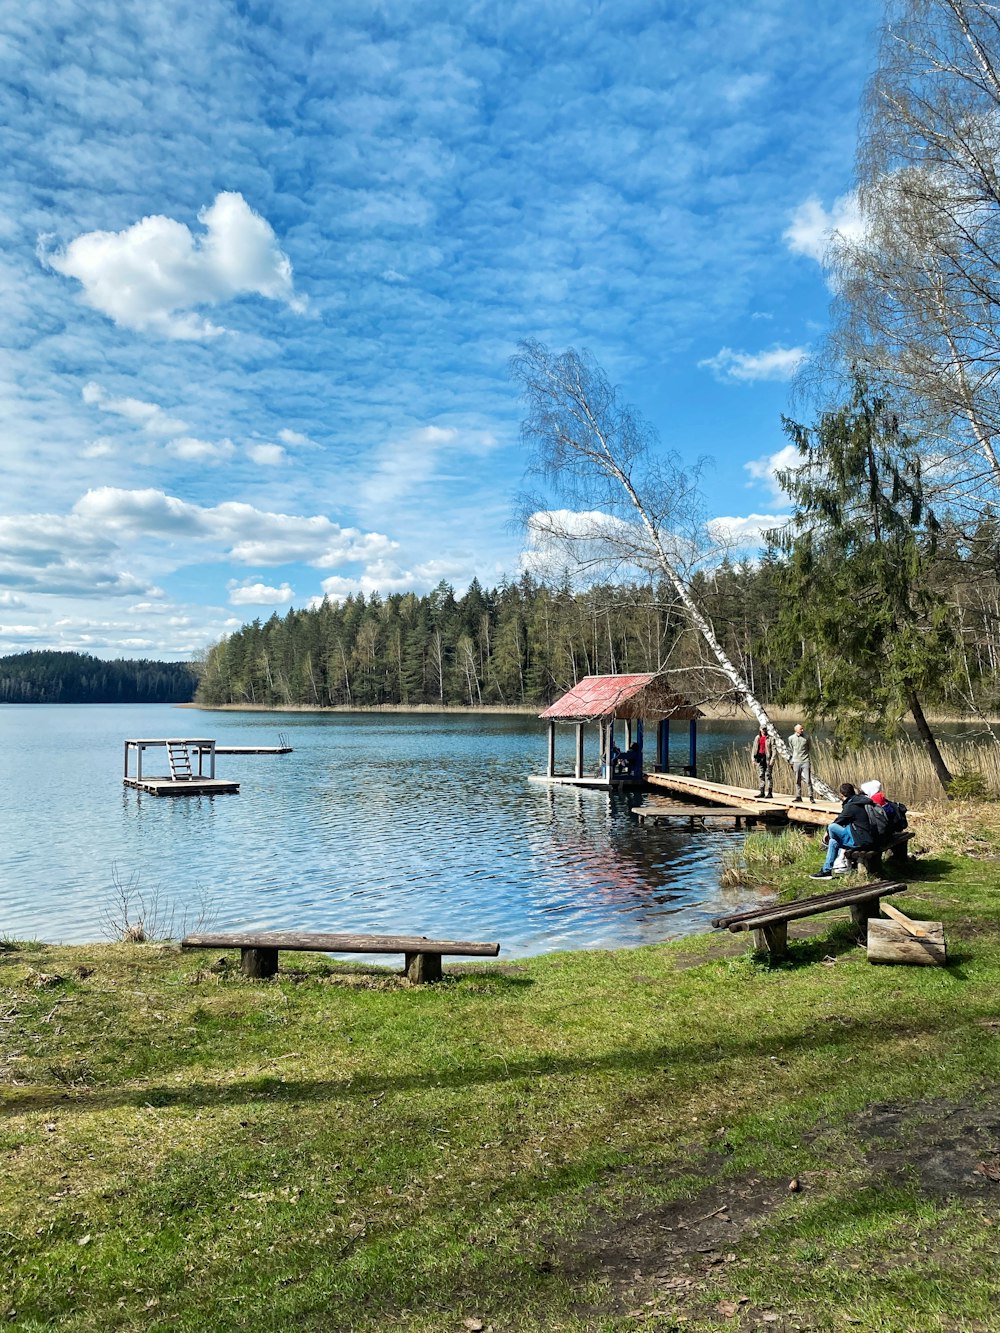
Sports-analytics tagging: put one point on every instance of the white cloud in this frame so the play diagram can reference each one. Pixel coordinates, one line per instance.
(150, 416)
(267, 455)
(11, 599)
(763, 470)
(404, 464)
(102, 448)
(258, 594)
(153, 275)
(193, 450)
(812, 228)
(296, 440)
(777, 363)
(248, 535)
(743, 533)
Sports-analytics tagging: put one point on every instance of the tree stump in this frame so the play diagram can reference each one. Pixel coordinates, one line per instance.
(891, 942)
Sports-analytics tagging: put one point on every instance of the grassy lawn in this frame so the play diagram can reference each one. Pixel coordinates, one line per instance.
(595, 1140)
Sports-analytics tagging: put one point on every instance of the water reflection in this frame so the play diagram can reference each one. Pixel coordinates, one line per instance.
(423, 824)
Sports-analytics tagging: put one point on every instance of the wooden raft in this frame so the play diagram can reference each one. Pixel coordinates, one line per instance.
(770, 924)
(259, 949)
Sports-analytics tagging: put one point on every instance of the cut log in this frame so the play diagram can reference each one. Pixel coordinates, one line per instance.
(891, 942)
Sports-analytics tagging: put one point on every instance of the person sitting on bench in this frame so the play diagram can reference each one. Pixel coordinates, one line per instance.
(850, 829)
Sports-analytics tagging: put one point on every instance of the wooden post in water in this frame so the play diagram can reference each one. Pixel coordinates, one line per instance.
(693, 748)
(551, 767)
(579, 748)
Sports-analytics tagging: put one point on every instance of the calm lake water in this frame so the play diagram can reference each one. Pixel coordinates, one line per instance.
(423, 824)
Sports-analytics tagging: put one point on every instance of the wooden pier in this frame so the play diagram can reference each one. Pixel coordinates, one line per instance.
(780, 808)
(181, 780)
(662, 812)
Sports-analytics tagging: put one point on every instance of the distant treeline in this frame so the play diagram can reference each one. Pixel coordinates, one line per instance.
(526, 642)
(520, 643)
(78, 678)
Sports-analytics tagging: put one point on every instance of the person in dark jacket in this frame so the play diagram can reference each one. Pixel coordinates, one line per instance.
(850, 829)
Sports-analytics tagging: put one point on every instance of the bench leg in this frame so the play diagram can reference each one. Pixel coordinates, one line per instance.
(772, 939)
(259, 963)
(421, 967)
(861, 914)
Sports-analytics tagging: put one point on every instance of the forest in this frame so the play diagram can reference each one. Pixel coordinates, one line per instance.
(526, 642)
(79, 678)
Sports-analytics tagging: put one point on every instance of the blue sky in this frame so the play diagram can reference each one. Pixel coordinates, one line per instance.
(262, 267)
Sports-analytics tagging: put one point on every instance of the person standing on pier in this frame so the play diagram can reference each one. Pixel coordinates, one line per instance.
(763, 749)
(801, 760)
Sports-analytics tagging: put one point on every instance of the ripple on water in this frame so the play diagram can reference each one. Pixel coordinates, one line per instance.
(390, 824)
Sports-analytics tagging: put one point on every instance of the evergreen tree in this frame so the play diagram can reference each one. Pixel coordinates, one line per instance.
(867, 630)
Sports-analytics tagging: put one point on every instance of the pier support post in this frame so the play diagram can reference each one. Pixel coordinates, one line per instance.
(693, 748)
(579, 748)
(550, 770)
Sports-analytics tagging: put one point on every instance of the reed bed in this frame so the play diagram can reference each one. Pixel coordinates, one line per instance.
(901, 766)
(762, 854)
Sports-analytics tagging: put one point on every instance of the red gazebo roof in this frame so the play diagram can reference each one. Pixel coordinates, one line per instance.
(644, 695)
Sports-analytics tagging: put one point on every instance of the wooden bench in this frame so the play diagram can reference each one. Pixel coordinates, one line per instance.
(896, 850)
(259, 949)
(770, 924)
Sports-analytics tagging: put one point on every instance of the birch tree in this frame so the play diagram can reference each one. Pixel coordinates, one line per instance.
(631, 507)
(920, 289)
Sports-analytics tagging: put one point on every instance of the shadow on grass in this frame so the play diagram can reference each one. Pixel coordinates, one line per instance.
(490, 1070)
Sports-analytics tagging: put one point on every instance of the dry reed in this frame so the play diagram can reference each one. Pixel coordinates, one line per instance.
(902, 766)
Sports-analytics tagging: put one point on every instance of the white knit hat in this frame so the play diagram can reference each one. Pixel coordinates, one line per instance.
(871, 788)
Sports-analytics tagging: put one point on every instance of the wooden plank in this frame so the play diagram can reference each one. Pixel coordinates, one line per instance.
(320, 942)
(896, 915)
(803, 907)
(703, 812)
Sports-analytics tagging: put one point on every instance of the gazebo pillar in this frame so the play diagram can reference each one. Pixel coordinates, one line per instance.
(579, 748)
(663, 744)
(693, 748)
(551, 769)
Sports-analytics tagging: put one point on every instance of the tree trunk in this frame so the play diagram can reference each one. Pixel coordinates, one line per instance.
(927, 736)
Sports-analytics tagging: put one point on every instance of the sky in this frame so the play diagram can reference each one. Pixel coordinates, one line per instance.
(263, 266)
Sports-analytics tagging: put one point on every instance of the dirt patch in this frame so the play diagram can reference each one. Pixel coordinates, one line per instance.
(657, 1260)
(660, 1263)
(948, 1149)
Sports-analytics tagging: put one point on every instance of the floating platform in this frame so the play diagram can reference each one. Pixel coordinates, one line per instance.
(182, 780)
(183, 786)
(598, 784)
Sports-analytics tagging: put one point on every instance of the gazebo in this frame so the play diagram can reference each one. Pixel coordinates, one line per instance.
(632, 701)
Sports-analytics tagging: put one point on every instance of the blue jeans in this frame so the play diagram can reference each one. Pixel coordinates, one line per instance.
(840, 836)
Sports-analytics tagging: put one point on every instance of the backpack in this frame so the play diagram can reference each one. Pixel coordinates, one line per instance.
(880, 823)
(896, 811)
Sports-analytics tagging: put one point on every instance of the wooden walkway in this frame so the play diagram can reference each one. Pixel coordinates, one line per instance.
(779, 807)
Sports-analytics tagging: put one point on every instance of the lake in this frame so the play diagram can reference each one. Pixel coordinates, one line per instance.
(391, 823)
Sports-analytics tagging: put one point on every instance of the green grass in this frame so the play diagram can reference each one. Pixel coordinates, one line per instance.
(190, 1150)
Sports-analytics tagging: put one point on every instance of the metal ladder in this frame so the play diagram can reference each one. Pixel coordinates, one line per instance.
(179, 761)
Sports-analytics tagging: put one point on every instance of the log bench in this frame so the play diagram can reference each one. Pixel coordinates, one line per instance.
(259, 949)
(871, 858)
(770, 924)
